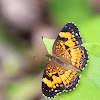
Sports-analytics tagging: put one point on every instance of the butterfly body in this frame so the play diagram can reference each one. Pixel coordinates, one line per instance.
(57, 60)
(68, 57)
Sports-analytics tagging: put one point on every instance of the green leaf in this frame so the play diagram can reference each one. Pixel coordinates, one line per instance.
(93, 48)
(50, 42)
(89, 85)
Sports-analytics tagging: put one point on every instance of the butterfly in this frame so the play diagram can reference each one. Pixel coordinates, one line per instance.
(69, 56)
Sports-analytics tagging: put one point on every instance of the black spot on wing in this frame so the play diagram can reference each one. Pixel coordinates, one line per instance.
(66, 47)
(46, 76)
(63, 39)
(69, 51)
(56, 74)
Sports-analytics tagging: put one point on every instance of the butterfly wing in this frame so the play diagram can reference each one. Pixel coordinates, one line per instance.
(69, 77)
(69, 37)
(57, 79)
(68, 47)
(51, 82)
(76, 56)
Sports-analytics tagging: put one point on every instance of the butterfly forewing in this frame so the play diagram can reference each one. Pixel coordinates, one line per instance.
(68, 37)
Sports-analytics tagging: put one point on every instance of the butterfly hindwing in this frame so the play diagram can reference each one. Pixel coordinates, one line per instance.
(76, 56)
(69, 77)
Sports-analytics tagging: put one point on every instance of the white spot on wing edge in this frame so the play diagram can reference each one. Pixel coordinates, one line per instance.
(54, 96)
(78, 30)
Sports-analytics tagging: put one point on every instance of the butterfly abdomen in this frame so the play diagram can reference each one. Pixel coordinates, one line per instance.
(55, 59)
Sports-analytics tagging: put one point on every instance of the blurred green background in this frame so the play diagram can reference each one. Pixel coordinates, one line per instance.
(22, 51)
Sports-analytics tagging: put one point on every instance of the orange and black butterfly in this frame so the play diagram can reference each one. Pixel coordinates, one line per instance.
(69, 56)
